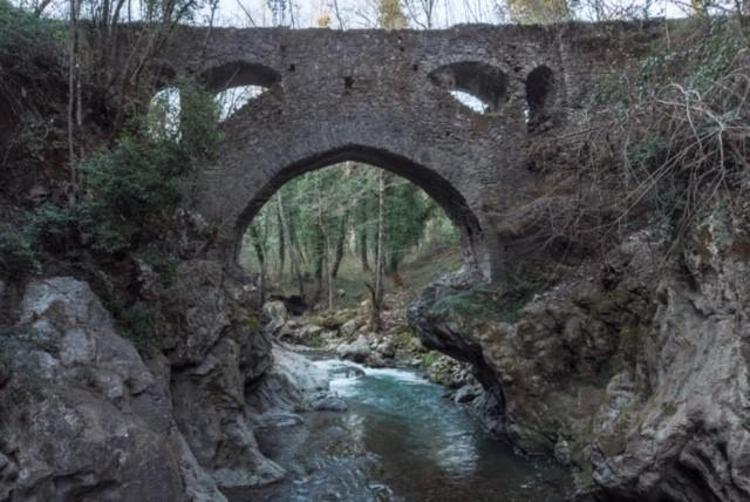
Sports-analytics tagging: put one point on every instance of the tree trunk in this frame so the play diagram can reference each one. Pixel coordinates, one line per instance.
(258, 247)
(282, 240)
(376, 293)
(321, 244)
(72, 87)
(294, 255)
(363, 258)
(393, 272)
(339, 249)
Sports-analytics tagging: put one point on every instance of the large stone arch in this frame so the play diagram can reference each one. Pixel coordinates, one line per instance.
(245, 178)
(437, 187)
(270, 142)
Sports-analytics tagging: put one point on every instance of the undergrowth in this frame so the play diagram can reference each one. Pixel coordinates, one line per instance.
(671, 142)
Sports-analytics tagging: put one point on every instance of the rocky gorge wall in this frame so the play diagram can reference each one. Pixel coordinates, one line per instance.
(86, 417)
(633, 369)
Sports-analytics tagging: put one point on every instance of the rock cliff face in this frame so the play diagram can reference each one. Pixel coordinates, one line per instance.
(84, 417)
(215, 349)
(633, 370)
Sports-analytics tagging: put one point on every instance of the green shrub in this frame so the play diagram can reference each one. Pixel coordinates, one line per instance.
(54, 228)
(17, 256)
(20, 28)
(137, 324)
(487, 302)
(135, 188)
(162, 263)
(472, 302)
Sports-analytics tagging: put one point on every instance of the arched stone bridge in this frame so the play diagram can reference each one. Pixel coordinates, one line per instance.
(382, 97)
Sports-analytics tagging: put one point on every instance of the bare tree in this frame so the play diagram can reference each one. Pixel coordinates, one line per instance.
(421, 12)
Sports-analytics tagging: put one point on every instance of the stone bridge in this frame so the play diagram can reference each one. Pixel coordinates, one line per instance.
(382, 97)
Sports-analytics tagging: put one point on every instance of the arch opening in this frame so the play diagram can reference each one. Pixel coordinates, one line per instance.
(434, 191)
(239, 74)
(323, 233)
(478, 86)
(235, 98)
(236, 84)
(540, 94)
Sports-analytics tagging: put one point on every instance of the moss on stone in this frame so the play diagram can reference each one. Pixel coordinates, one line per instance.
(251, 321)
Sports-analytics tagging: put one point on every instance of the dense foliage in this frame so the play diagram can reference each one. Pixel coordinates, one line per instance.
(323, 218)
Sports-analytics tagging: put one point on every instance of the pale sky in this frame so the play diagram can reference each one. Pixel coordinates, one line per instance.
(363, 13)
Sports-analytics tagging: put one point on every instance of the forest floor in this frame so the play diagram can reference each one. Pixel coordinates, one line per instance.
(416, 272)
(345, 330)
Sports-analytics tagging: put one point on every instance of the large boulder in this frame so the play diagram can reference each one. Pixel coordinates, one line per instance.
(358, 350)
(350, 327)
(686, 437)
(275, 314)
(203, 305)
(89, 422)
(289, 385)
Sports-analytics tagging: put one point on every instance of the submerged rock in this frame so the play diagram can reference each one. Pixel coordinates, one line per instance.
(328, 402)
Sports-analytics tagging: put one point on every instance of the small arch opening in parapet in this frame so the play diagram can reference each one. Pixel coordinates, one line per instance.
(238, 74)
(163, 117)
(540, 94)
(237, 83)
(478, 86)
(233, 99)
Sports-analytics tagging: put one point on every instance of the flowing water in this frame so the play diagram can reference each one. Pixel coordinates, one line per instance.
(399, 440)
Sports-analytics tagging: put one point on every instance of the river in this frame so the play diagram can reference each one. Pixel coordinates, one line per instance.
(400, 440)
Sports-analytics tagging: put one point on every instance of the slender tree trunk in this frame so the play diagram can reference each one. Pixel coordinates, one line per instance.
(258, 247)
(321, 244)
(339, 249)
(363, 258)
(281, 237)
(319, 261)
(393, 271)
(330, 274)
(294, 255)
(376, 293)
(72, 72)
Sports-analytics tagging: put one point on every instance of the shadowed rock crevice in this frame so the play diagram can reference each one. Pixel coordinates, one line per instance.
(540, 96)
